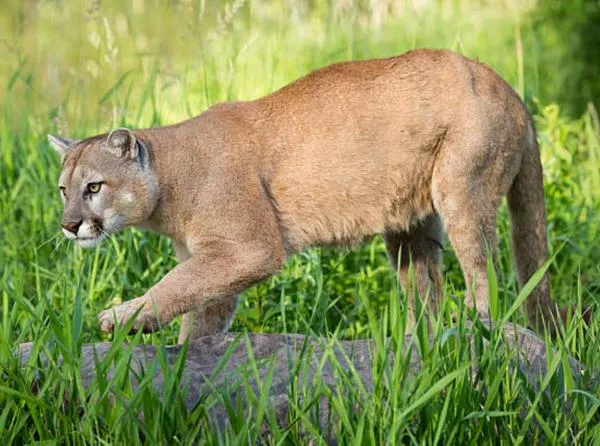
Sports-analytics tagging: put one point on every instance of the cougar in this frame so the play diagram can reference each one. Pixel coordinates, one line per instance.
(405, 147)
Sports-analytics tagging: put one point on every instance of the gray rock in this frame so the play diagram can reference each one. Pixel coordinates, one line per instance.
(220, 361)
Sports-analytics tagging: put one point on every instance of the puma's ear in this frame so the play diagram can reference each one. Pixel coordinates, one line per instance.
(122, 143)
(61, 145)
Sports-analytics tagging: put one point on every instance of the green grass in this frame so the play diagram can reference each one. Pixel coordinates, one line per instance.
(84, 69)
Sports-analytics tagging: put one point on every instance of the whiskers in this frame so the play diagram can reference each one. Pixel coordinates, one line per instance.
(52, 239)
(60, 242)
(108, 236)
(101, 233)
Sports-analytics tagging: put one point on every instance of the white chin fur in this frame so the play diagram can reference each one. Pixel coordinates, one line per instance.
(89, 242)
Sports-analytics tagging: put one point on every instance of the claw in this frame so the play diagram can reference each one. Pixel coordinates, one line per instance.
(146, 318)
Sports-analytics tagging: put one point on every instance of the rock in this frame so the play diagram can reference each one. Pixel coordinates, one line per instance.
(206, 354)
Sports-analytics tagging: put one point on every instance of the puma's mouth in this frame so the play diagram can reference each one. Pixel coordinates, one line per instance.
(90, 242)
(93, 235)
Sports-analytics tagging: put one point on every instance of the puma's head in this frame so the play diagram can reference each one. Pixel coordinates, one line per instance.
(106, 184)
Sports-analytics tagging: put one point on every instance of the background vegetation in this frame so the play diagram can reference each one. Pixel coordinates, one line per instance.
(80, 68)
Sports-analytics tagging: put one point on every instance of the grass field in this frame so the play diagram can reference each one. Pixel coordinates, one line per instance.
(90, 67)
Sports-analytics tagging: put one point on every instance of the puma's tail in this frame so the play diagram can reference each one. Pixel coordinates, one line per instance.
(529, 233)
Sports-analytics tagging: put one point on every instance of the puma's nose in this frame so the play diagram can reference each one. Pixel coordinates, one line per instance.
(72, 226)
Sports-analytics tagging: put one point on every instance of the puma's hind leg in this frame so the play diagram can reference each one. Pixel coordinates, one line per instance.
(466, 192)
(420, 247)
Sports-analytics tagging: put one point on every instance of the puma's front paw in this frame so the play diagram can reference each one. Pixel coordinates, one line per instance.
(146, 320)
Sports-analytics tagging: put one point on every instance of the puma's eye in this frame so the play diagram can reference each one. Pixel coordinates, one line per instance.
(62, 191)
(94, 188)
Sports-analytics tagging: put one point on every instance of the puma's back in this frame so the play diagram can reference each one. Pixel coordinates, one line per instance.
(350, 150)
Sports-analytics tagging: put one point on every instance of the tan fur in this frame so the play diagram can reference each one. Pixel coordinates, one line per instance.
(399, 146)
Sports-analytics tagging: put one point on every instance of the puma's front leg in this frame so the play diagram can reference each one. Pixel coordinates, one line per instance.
(218, 269)
(213, 317)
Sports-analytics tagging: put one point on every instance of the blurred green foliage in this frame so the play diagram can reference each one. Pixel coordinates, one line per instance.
(568, 44)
